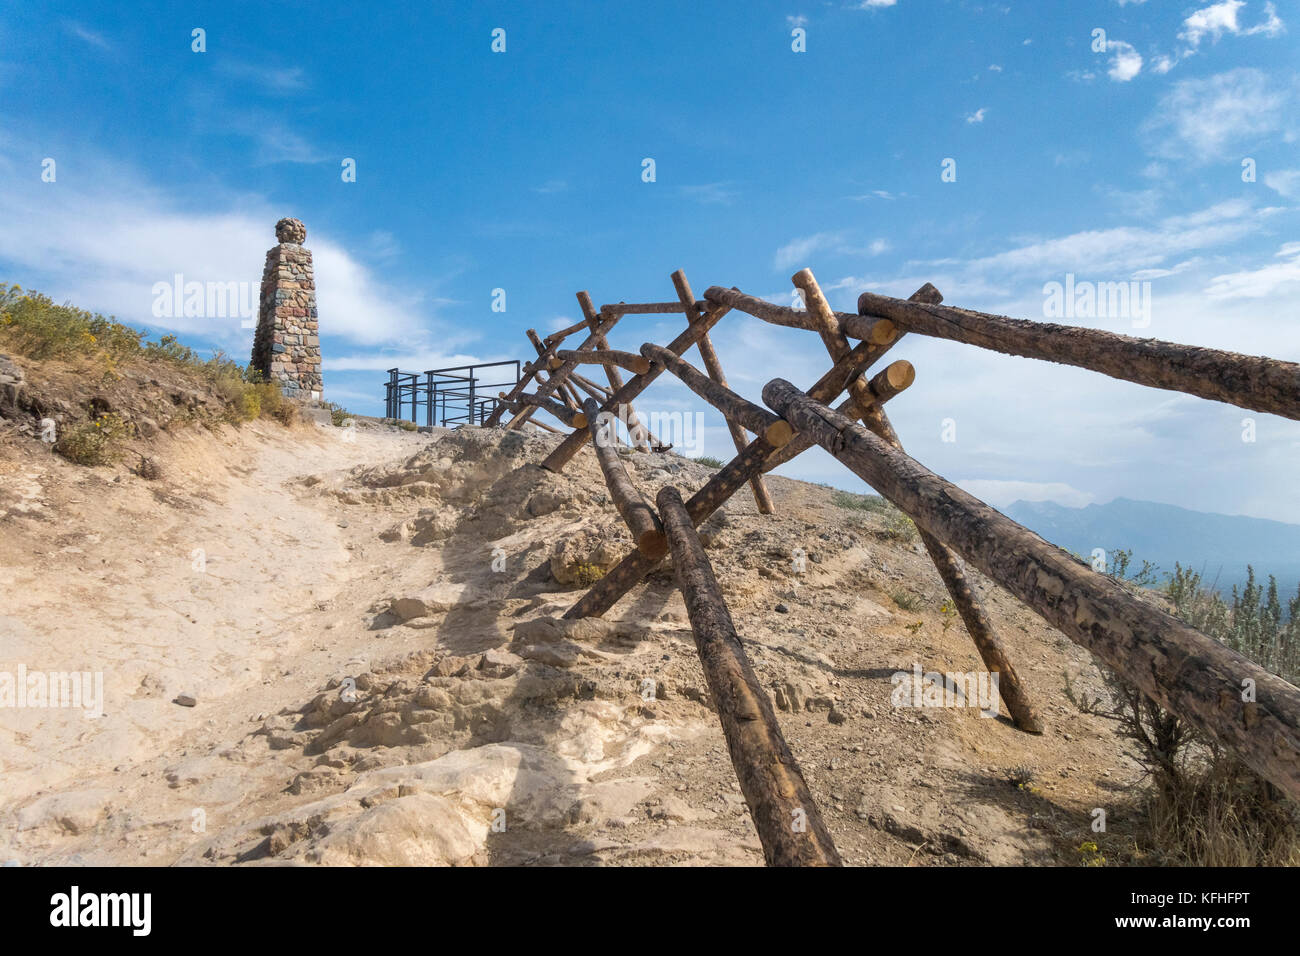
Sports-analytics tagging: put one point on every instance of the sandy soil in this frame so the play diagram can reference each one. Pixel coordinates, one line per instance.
(367, 621)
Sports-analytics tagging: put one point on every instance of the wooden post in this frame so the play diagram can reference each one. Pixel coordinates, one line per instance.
(785, 815)
(1180, 668)
(530, 372)
(562, 373)
(546, 355)
(886, 384)
(866, 328)
(709, 355)
(612, 374)
(724, 483)
(636, 512)
(736, 409)
(1247, 381)
(990, 646)
(574, 419)
(632, 388)
(636, 364)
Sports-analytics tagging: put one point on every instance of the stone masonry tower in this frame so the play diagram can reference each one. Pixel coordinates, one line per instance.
(286, 345)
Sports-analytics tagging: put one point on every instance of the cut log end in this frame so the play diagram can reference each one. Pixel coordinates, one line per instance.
(555, 363)
(900, 374)
(883, 332)
(579, 420)
(778, 434)
(643, 366)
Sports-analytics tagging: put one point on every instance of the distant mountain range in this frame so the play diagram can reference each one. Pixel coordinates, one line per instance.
(1220, 546)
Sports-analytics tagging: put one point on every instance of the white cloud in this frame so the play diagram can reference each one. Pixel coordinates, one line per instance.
(1269, 280)
(798, 20)
(711, 193)
(1284, 181)
(977, 116)
(797, 251)
(1217, 117)
(869, 4)
(275, 79)
(104, 247)
(1126, 63)
(1220, 19)
(87, 35)
(1120, 250)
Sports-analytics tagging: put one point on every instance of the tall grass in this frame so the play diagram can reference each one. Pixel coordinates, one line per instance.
(1204, 806)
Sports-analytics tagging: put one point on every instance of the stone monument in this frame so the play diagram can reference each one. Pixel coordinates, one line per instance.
(286, 345)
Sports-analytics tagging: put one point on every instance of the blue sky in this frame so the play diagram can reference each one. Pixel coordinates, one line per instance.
(522, 170)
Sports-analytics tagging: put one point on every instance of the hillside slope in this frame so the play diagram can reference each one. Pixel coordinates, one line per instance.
(373, 687)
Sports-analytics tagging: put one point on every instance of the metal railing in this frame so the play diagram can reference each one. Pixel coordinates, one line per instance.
(449, 396)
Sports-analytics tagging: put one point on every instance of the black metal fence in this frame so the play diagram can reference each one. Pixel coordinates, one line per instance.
(449, 396)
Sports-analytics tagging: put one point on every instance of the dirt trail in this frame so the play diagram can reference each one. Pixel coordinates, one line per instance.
(370, 628)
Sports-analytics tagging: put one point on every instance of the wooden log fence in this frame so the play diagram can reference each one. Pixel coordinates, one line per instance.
(1187, 672)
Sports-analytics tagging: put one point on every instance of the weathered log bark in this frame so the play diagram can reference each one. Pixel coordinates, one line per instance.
(713, 366)
(606, 592)
(867, 407)
(652, 308)
(588, 386)
(636, 364)
(866, 328)
(754, 417)
(615, 379)
(631, 504)
(570, 417)
(545, 427)
(564, 371)
(634, 387)
(862, 356)
(1247, 381)
(789, 825)
(884, 385)
(555, 338)
(529, 374)
(545, 356)
(1180, 668)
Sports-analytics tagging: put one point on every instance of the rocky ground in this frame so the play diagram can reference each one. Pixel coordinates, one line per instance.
(366, 622)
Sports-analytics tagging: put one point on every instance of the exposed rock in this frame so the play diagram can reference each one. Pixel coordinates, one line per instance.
(435, 599)
(573, 557)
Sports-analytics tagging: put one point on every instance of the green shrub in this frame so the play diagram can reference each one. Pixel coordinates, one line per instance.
(338, 414)
(872, 503)
(98, 442)
(906, 599)
(32, 325)
(588, 574)
(1204, 807)
(708, 461)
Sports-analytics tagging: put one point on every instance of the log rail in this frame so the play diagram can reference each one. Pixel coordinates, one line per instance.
(1185, 671)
